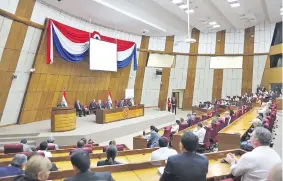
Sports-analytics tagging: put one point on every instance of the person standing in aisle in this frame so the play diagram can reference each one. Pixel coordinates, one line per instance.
(174, 104)
(169, 104)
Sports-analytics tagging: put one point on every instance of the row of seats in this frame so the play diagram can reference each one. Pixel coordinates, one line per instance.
(18, 148)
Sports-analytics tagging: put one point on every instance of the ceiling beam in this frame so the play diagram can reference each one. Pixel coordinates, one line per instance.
(218, 12)
(264, 7)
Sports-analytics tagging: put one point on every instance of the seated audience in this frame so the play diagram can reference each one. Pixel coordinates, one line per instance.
(92, 106)
(16, 168)
(53, 167)
(81, 164)
(84, 140)
(153, 138)
(247, 145)
(80, 144)
(112, 143)
(214, 120)
(182, 120)
(231, 112)
(37, 169)
(186, 166)
(200, 133)
(86, 109)
(189, 119)
(79, 108)
(201, 105)
(275, 173)
(26, 147)
(50, 141)
(227, 115)
(163, 152)
(175, 127)
(255, 165)
(43, 148)
(111, 153)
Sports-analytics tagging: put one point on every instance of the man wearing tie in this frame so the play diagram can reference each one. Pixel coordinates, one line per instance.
(79, 108)
(92, 106)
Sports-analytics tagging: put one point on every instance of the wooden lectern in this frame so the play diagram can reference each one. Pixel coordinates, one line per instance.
(63, 119)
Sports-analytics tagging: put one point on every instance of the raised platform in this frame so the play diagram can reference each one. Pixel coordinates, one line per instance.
(86, 127)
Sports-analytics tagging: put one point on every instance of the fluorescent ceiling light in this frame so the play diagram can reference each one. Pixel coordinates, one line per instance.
(215, 26)
(212, 23)
(234, 5)
(281, 13)
(183, 6)
(130, 15)
(177, 1)
(190, 11)
(231, 1)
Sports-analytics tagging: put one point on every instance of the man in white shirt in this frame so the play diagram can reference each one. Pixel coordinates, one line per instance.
(163, 152)
(175, 127)
(255, 165)
(43, 148)
(200, 133)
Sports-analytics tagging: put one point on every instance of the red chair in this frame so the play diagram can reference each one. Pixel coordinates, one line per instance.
(87, 149)
(215, 129)
(266, 125)
(51, 147)
(167, 132)
(204, 117)
(233, 118)
(88, 145)
(13, 148)
(198, 119)
(222, 123)
(183, 126)
(120, 147)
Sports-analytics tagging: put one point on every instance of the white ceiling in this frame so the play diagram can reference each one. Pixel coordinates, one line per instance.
(162, 17)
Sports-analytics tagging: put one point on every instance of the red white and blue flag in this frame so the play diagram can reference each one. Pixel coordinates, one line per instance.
(109, 100)
(73, 44)
(64, 98)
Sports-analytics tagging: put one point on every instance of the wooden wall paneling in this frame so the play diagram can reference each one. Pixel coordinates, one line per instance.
(189, 91)
(247, 73)
(218, 73)
(141, 69)
(12, 49)
(169, 45)
(272, 75)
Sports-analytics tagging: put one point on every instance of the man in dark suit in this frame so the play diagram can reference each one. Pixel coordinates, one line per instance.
(16, 168)
(92, 106)
(186, 166)
(79, 108)
(174, 105)
(81, 163)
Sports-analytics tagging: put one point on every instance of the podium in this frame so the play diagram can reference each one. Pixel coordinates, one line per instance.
(63, 119)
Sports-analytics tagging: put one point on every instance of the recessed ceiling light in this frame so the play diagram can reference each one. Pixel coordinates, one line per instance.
(212, 23)
(281, 13)
(281, 9)
(177, 1)
(216, 26)
(190, 11)
(231, 1)
(234, 5)
(183, 6)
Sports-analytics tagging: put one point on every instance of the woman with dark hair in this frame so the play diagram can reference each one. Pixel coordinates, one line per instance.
(111, 153)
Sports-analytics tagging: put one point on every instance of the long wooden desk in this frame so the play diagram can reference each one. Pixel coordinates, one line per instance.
(230, 136)
(147, 171)
(177, 137)
(140, 142)
(5, 159)
(104, 116)
(201, 110)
